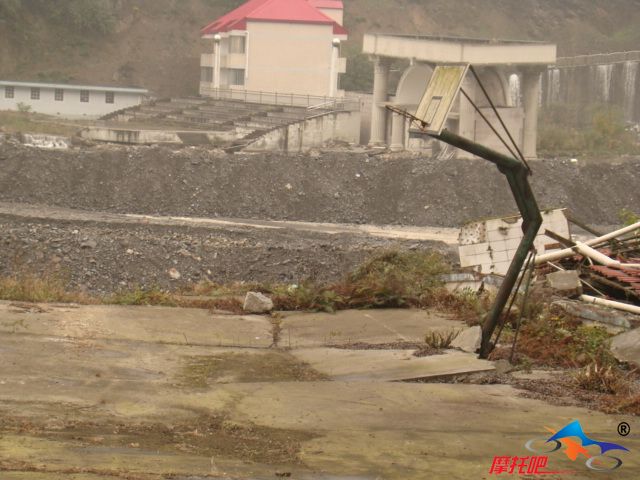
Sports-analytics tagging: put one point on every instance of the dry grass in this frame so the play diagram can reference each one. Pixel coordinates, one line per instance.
(604, 379)
(40, 288)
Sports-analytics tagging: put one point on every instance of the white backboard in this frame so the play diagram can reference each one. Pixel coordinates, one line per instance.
(438, 98)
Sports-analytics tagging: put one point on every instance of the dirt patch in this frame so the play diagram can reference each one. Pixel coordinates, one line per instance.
(275, 366)
(206, 435)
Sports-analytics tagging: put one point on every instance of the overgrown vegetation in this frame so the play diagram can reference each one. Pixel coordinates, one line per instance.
(24, 122)
(389, 280)
(557, 339)
(571, 130)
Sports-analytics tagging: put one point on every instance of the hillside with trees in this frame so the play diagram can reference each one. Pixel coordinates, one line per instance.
(156, 44)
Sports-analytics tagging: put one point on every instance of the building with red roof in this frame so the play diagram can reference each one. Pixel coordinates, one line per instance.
(277, 46)
(331, 8)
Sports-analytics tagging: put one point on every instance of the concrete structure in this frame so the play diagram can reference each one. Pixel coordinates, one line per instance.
(314, 132)
(488, 246)
(276, 46)
(234, 124)
(497, 62)
(68, 101)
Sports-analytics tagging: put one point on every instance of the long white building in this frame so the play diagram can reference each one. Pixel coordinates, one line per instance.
(68, 101)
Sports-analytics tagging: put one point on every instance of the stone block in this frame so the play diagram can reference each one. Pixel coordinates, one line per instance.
(468, 340)
(565, 283)
(256, 302)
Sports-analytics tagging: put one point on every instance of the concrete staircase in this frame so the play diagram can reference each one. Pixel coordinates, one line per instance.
(227, 123)
(211, 115)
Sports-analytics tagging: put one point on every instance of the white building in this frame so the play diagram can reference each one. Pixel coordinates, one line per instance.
(68, 101)
(283, 46)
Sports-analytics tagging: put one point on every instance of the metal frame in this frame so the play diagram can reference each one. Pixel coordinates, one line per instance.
(517, 174)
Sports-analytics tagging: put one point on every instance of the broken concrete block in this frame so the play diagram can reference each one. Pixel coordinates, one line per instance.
(626, 346)
(256, 302)
(595, 313)
(565, 283)
(468, 340)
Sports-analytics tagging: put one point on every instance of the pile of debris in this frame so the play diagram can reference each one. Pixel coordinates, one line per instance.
(596, 279)
(603, 271)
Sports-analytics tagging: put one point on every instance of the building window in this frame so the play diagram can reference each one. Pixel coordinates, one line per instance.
(59, 95)
(109, 97)
(206, 74)
(9, 92)
(237, 44)
(35, 94)
(84, 96)
(236, 76)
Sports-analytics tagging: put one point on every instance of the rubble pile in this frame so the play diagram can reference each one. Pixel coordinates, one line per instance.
(604, 271)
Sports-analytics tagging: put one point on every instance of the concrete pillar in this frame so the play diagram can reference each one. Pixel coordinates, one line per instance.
(530, 100)
(333, 74)
(216, 63)
(378, 110)
(397, 132)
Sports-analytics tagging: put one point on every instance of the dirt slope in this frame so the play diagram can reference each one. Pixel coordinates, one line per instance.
(155, 43)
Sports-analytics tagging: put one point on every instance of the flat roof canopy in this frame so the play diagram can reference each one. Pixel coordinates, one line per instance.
(452, 50)
(65, 86)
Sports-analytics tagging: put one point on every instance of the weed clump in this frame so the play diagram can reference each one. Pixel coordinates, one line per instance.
(441, 340)
(389, 280)
(604, 379)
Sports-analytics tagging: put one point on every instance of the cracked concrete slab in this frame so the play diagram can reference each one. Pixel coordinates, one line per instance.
(182, 326)
(138, 419)
(365, 326)
(389, 365)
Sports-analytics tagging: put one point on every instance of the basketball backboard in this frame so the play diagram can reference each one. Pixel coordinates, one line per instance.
(438, 98)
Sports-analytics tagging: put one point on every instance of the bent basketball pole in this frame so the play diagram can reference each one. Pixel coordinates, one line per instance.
(431, 117)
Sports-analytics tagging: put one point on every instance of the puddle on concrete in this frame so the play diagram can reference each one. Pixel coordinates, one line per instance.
(273, 366)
